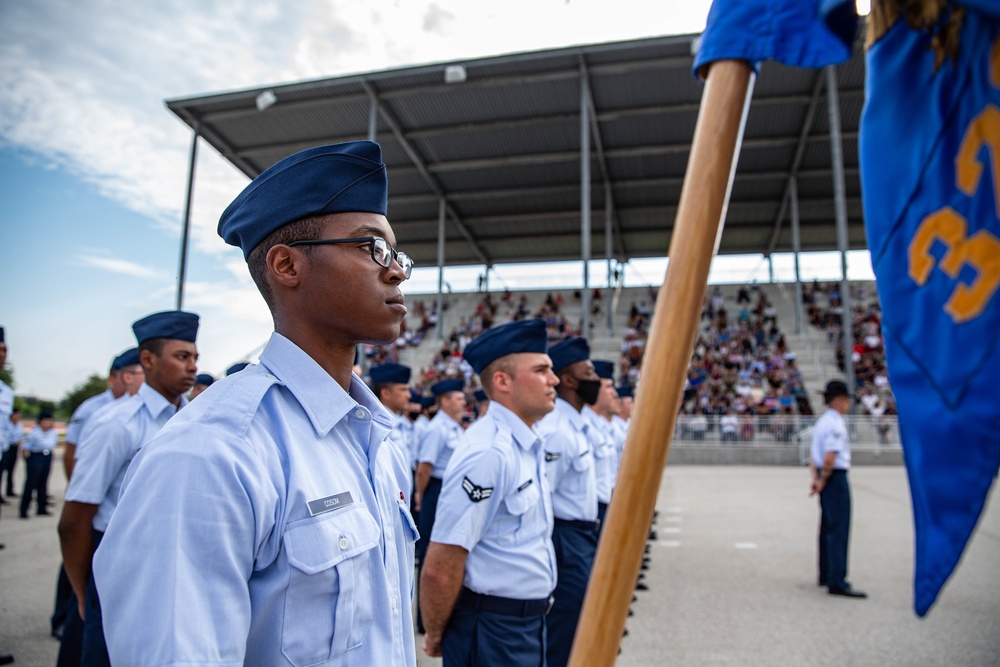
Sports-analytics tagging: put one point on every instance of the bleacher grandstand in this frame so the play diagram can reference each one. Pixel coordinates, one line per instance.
(752, 380)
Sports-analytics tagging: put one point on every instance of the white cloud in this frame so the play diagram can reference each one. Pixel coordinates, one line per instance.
(122, 266)
(83, 85)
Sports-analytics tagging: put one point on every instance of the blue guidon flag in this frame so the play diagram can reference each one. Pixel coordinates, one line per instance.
(930, 168)
(799, 33)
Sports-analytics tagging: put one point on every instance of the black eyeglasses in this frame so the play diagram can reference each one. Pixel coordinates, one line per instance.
(382, 253)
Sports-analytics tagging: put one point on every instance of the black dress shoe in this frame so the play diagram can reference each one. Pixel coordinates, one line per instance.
(12, 495)
(4, 501)
(43, 513)
(848, 592)
(6, 658)
(639, 586)
(652, 535)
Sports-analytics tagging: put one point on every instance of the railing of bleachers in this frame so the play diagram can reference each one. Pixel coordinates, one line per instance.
(866, 432)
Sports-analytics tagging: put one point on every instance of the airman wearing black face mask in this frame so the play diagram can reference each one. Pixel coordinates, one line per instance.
(572, 477)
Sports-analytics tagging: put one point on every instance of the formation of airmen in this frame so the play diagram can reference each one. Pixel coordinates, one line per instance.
(278, 516)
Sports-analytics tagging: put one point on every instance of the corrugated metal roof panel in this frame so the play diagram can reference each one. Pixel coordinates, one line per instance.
(503, 147)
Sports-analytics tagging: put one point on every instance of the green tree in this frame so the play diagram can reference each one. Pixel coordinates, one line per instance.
(92, 386)
(7, 375)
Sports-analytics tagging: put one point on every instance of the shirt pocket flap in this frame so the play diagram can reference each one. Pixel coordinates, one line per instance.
(317, 544)
(404, 509)
(521, 501)
(584, 461)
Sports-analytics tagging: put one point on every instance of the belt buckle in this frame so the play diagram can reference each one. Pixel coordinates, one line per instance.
(597, 525)
(46, 452)
(552, 600)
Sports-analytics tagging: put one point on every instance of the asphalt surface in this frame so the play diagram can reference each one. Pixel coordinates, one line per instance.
(732, 579)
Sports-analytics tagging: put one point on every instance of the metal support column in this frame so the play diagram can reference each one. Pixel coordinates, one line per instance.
(440, 261)
(585, 200)
(770, 269)
(373, 119)
(840, 207)
(182, 271)
(372, 134)
(793, 192)
(608, 300)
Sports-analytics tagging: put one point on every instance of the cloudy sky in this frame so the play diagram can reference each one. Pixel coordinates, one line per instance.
(93, 167)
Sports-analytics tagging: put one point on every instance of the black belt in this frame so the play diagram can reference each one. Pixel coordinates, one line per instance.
(578, 523)
(47, 452)
(507, 606)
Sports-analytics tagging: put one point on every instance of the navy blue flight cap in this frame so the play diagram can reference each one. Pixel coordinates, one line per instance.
(390, 374)
(129, 357)
(169, 324)
(624, 391)
(237, 367)
(3, 335)
(204, 378)
(605, 369)
(426, 402)
(444, 386)
(415, 396)
(339, 178)
(569, 352)
(523, 336)
(481, 395)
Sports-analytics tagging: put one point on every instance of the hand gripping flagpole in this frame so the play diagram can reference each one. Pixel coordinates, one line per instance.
(700, 215)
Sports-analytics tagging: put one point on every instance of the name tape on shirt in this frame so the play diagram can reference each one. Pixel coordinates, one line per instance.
(549, 456)
(476, 493)
(525, 485)
(330, 503)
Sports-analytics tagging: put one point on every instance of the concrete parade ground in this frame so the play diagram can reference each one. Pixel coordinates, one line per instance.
(732, 578)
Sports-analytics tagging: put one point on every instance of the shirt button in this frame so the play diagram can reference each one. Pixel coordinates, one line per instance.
(360, 414)
(395, 603)
(343, 543)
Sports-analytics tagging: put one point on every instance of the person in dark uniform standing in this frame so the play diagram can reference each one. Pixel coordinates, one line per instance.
(37, 452)
(571, 469)
(490, 567)
(829, 462)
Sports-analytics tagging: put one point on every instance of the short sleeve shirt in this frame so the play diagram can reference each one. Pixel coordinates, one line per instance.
(605, 453)
(273, 526)
(495, 503)
(108, 444)
(41, 442)
(83, 412)
(569, 463)
(830, 435)
(438, 442)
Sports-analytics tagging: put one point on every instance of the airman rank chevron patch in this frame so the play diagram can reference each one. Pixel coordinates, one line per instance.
(476, 493)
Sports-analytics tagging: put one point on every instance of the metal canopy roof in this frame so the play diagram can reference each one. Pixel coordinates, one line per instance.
(503, 149)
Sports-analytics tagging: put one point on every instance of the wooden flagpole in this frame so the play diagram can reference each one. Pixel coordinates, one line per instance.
(700, 214)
